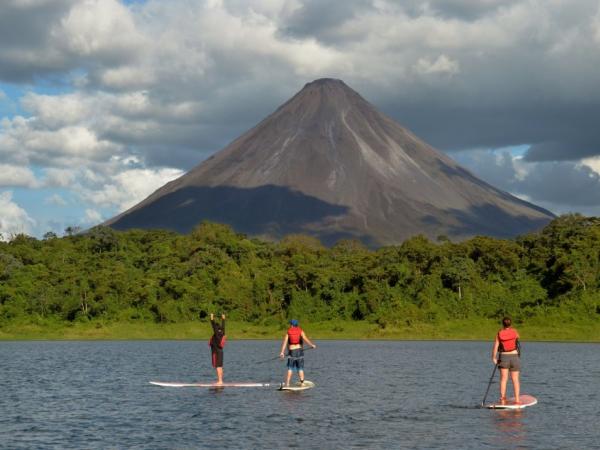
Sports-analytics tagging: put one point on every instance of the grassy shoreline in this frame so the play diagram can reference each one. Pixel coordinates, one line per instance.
(474, 330)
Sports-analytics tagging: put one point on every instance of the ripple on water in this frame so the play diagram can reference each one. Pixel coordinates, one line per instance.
(369, 394)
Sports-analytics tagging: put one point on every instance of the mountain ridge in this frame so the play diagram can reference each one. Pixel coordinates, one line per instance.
(369, 177)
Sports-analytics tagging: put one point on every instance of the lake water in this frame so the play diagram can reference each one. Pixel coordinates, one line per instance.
(369, 394)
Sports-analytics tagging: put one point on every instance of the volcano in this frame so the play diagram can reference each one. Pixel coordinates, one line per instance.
(328, 164)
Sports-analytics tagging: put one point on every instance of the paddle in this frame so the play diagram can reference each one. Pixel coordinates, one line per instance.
(489, 384)
(277, 357)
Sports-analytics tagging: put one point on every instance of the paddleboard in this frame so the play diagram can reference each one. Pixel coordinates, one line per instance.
(208, 385)
(297, 386)
(525, 401)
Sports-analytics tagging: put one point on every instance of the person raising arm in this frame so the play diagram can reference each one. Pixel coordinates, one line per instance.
(216, 343)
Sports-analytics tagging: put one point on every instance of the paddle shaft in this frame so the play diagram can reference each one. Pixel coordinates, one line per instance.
(489, 385)
(277, 357)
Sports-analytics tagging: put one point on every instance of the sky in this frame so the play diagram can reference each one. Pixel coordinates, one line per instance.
(104, 101)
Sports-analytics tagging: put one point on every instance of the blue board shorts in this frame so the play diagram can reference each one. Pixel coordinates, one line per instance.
(295, 360)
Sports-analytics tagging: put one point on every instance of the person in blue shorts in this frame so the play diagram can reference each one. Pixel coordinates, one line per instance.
(293, 340)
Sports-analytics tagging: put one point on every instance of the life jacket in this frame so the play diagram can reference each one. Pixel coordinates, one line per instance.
(508, 340)
(294, 335)
(216, 342)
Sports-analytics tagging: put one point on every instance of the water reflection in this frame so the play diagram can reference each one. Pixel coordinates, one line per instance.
(511, 428)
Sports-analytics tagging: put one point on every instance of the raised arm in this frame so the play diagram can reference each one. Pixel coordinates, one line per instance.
(305, 338)
(223, 323)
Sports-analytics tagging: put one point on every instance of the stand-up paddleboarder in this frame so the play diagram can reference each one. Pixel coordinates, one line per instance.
(216, 343)
(507, 343)
(293, 340)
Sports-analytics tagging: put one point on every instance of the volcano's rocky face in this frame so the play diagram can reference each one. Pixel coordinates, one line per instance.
(328, 164)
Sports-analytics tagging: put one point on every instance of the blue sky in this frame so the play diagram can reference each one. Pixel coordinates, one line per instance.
(102, 101)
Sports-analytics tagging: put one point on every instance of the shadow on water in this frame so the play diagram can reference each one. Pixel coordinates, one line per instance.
(464, 406)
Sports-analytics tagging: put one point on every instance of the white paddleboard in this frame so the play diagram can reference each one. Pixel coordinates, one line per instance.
(525, 401)
(297, 386)
(208, 385)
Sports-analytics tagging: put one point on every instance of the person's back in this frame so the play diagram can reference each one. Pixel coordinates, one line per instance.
(293, 340)
(216, 343)
(506, 345)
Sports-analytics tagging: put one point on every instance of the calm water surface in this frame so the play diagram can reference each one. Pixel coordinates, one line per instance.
(369, 395)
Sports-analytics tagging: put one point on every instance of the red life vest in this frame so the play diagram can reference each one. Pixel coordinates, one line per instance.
(219, 344)
(508, 340)
(294, 335)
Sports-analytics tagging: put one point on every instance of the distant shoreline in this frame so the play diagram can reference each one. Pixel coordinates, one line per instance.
(459, 330)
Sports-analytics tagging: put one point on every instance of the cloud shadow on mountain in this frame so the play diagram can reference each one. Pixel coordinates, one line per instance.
(270, 210)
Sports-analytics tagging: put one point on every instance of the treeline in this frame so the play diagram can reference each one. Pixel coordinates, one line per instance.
(159, 276)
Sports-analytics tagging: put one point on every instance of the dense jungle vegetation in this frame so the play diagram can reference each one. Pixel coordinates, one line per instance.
(144, 276)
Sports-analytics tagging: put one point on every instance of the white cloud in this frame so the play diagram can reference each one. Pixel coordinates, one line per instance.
(31, 141)
(59, 177)
(92, 217)
(125, 189)
(55, 200)
(592, 163)
(442, 64)
(167, 83)
(17, 176)
(99, 27)
(564, 186)
(13, 219)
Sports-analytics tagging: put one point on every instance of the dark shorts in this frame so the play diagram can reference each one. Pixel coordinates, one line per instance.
(217, 357)
(510, 362)
(295, 360)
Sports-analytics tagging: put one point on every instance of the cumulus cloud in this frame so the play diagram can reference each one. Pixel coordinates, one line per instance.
(522, 71)
(171, 82)
(53, 37)
(92, 217)
(592, 163)
(578, 189)
(125, 189)
(442, 64)
(55, 200)
(17, 176)
(54, 177)
(13, 219)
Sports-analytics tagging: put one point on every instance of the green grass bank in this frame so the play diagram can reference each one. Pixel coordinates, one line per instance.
(476, 329)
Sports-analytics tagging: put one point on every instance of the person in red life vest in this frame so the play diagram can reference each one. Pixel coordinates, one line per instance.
(293, 340)
(216, 343)
(507, 343)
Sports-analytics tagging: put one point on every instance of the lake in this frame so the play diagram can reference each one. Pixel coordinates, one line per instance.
(368, 394)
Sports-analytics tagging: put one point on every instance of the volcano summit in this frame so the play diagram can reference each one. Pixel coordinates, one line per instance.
(328, 164)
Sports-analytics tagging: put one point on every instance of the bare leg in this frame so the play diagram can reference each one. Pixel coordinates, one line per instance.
(289, 378)
(516, 385)
(301, 375)
(503, 381)
(219, 375)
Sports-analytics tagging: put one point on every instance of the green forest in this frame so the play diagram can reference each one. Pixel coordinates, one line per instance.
(141, 278)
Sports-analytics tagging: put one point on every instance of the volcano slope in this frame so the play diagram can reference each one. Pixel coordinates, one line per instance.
(328, 164)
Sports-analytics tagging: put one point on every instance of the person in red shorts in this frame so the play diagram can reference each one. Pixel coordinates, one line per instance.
(507, 345)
